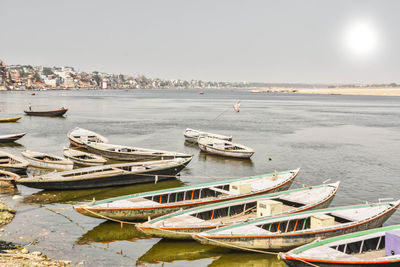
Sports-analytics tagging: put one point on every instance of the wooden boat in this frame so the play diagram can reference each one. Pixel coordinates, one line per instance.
(156, 203)
(191, 135)
(287, 232)
(10, 137)
(120, 152)
(8, 177)
(365, 248)
(109, 175)
(78, 136)
(182, 224)
(83, 158)
(10, 119)
(224, 148)
(12, 163)
(47, 161)
(47, 113)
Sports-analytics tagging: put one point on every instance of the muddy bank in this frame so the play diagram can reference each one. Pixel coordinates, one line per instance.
(14, 255)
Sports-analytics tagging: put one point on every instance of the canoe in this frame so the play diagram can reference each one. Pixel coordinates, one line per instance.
(10, 119)
(182, 224)
(10, 137)
(47, 161)
(153, 204)
(83, 158)
(286, 232)
(78, 136)
(108, 175)
(365, 248)
(224, 148)
(127, 153)
(47, 113)
(12, 163)
(191, 135)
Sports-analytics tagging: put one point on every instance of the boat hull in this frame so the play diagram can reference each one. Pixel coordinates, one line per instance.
(242, 155)
(10, 119)
(297, 263)
(141, 214)
(52, 113)
(116, 180)
(18, 170)
(11, 138)
(287, 242)
(186, 233)
(130, 156)
(45, 165)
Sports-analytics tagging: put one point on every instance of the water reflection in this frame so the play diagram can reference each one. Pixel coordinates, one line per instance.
(108, 232)
(172, 250)
(11, 144)
(75, 196)
(203, 156)
(248, 259)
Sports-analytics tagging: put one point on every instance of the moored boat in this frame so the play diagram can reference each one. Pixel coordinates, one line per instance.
(83, 158)
(10, 119)
(224, 148)
(287, 232)
(12, 163)
(108, 175)
(375, 247)
(127, 153)
(191, 135)
(78, 136)
(47, 161)
(156, 203)
(11, 137)
(47, 113)
(7, 178)
(182, 224)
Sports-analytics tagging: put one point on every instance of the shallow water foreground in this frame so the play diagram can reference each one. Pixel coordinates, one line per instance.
(354, 139)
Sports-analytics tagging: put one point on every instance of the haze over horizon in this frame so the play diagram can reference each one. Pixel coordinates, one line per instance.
(256, 41)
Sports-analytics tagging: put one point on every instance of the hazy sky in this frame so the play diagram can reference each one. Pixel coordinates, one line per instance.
(261, 41)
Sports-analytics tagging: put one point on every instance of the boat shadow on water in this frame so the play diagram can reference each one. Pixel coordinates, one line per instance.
(108, 232)
(76, 196)
(173, 250)
(11, 144)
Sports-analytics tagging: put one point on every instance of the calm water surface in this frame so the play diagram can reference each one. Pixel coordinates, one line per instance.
(354, 139)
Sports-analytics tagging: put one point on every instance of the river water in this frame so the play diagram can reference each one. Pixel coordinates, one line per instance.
(354, 139)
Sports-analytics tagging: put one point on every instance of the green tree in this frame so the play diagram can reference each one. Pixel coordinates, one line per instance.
(97, 79)
(47, 71)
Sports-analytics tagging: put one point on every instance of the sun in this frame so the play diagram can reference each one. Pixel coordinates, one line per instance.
(361, 38)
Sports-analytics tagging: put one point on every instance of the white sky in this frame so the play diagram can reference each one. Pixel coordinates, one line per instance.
(219, 40)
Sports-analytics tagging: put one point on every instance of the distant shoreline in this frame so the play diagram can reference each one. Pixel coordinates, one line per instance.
(367, 91)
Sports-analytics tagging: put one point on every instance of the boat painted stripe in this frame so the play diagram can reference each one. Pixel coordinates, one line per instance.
(358, 261)
(184, 188)
(186, 204)
(296, 234)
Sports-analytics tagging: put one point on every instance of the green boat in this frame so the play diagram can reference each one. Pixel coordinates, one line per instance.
(182, 224)
(366, 248)
(153, 204)
(283, 233)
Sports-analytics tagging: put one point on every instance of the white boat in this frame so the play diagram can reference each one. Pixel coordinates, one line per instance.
(79, 136)
(12, 163)
(224, 148)
(83, 158)
(47, 161)
(191, 135)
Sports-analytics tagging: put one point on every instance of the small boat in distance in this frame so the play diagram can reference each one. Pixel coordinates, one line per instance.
(224, 148)
(47, 113)
(10, 119)
(10, 137)
(47, 161)
(365, 248)
(182, 224)
(78, 136)
(139, 207)
(191, 135)
(83, 158)
(283, 233)
(108, 175)
(12, 163)
(128, 153)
